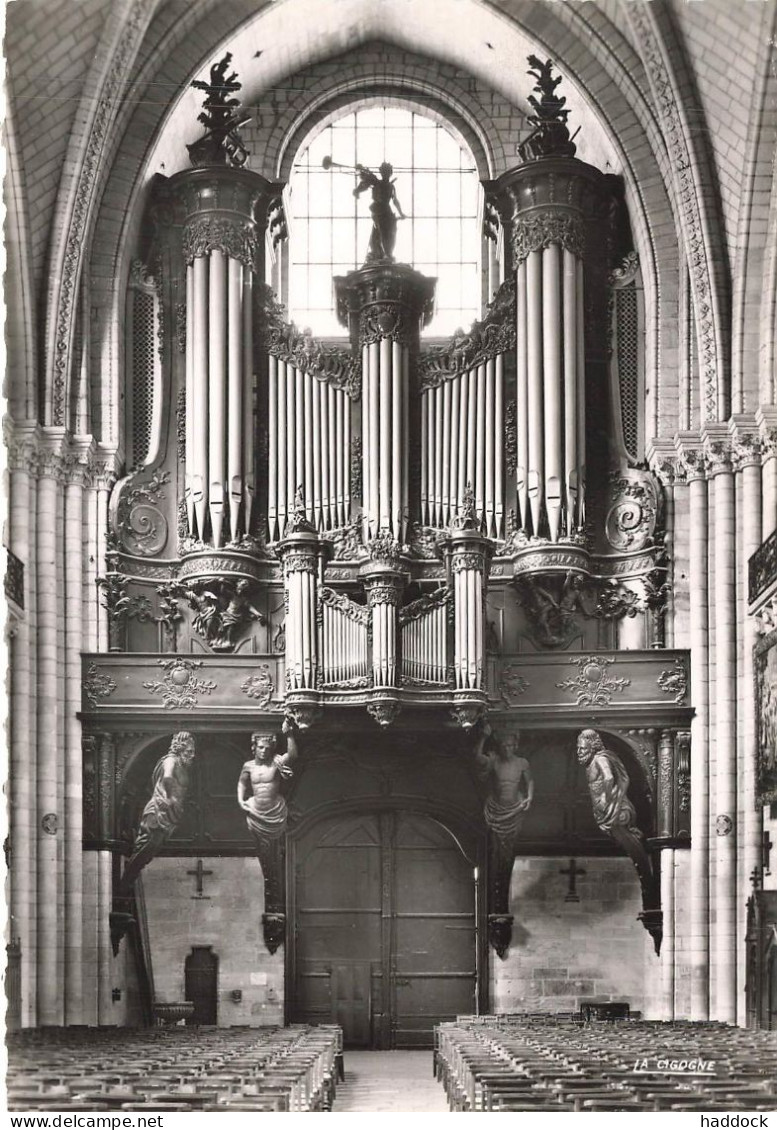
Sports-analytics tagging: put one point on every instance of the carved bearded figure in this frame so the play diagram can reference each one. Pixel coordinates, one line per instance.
(165, 808)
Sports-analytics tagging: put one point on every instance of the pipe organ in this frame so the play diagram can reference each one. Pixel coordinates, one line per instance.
(424, 639)
(344, 477)
(556, 211)
(222, 249)
(447, 531)
(344, 640)
(309, 433)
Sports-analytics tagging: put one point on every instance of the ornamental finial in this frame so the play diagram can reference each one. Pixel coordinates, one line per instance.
(550, 136)
(222, 119)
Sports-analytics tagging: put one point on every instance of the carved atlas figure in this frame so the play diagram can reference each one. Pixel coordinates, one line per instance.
(385, 207)
(259, 795)
(165, 808)
(510, 794)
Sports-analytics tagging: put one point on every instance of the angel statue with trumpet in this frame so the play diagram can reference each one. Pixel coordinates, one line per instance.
(384, 201)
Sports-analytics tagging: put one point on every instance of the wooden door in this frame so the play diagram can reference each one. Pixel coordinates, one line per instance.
(433, 944)
(201, 971)
(385, 928)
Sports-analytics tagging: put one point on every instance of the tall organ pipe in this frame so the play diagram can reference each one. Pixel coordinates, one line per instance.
(236, 420)
(536, 463)
(190, 418)
(199, 410)
(551, 366)
(522, 395)
(570, 391)
(249, 421)
(217, 342)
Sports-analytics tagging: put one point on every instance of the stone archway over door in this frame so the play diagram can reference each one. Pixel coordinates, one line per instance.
(201, 974)
(385, 928)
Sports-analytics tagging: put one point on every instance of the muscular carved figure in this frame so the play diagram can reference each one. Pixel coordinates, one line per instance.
(384, 220)
(511, 786)
(259, 786)
(163, 813)
(608, 784)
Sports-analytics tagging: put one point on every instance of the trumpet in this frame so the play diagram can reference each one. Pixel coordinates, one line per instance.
(328, 163)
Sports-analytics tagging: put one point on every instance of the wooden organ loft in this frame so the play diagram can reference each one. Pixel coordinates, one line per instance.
(384, 538)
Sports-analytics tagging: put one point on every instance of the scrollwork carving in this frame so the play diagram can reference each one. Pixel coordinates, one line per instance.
(179, 685)
(260, 686)
(424, 605)
(348, 608)
(631, 519)
(141, 525)
(593, 685)
(674, 681)
(97, 685)
(487, 339)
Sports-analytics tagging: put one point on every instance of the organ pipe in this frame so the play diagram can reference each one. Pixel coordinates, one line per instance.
(236, 421)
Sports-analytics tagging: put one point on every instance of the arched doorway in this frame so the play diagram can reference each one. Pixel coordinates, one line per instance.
(385, 937)
(201, 972)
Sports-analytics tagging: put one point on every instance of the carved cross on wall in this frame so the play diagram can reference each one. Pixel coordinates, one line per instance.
(572, 871)
(199, 874)
(755, 878)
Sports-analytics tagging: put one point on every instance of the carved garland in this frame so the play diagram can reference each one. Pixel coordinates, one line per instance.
(236, 239)
(539, 230)
(425, 604)
(486, 340)
(328, 364)
(349, 608)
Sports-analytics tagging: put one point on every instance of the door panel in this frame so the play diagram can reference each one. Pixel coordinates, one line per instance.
(434, 930)
(385, 928)
(201, 984)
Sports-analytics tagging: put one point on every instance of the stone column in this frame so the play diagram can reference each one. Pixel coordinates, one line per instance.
(50, 813)
(75, 471)
(692, 465)
(747, 465)
(21, 777)
(724, 933)
(767, 423)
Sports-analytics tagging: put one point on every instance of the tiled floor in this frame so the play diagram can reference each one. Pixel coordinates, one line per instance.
(390, 1081)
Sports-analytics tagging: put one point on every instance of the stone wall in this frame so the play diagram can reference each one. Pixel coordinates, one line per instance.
(229, 919)
(564, 952)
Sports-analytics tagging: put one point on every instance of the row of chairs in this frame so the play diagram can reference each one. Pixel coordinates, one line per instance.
(525, 1062)
(175, 1069)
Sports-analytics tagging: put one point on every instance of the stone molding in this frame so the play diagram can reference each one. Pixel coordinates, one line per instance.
(103, 95)
(689, 196)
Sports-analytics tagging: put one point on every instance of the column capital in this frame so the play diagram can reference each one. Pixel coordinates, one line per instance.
(691, 460)
(547, 201)
(745, 442)
(766, 419)
(717, 449)
(663, 461)
(384, 300)
(221, 208)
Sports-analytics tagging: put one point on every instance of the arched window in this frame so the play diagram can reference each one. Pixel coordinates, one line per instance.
(437, 186)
